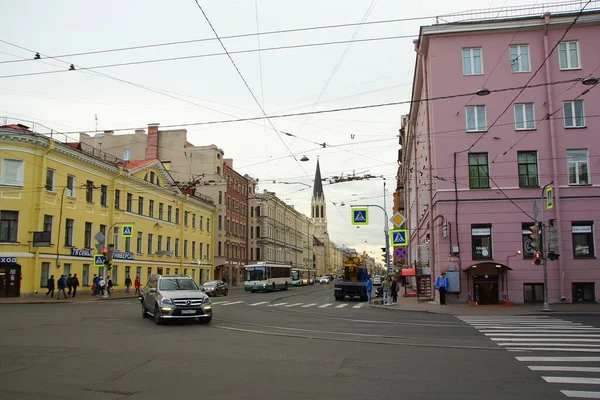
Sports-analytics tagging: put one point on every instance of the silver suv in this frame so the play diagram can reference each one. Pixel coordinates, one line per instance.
(175, 297)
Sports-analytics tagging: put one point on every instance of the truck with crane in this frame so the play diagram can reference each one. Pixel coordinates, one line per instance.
(353, 280)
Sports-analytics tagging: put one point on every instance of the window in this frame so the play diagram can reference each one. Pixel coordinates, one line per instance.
(524, 116)
(85, 277)
(481, 240)
(208, 224)
(127, 155)
(45, 274)
(208, 251)
(193, 249)
(478, 172)
(201, 250)
(117, 199)
(151, 208)
(251, 232)
(252, 212)
(220, 197)
(177, 216)
(169, 244)
(220, 222)
(70, 186)
(201, 223)
(150, 237)
(185, 248)
(69, 227)
(519, 58)
(176, 247)
(574, 117)
(48, 221)
(87, 236)
(138, 272)
(476, 119)
(472, 62)
(129, 202)
(194, 221)
(219, 248)
(140, 205)
(258, 232)
(526, 231)
(161, 211)
(583, 239)
(9, 221)
(186, 215)
(50, 180)
(103, 230)
(169, 213)
(128, 272)
(115, 274)
(103, 195)
(12, 172)
(116, 237)
(89, 191)
(583, 292)
(152, 177)
(138, 247)
(528, 168)
(227, 225)
(568, 55)
(128, 245)
(159, 245)
(577, 167)
(148, 274)
(533, 292)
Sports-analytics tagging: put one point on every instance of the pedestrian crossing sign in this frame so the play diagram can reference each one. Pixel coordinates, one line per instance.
(127, 231)
(360, 216)
(399, 237)
(98, 260)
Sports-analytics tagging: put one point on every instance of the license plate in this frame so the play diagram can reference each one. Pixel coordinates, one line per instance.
(188, 311)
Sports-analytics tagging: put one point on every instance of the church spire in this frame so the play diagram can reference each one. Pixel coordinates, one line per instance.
(318, 185)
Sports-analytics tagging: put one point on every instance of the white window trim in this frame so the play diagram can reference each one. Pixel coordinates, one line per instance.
(587, 161)
(523, 105)
(53, 188)
(518, 60)
(471, 60)
(572, 105)
(569, 67)
(74, 189)
(476, 107)
(20, 173)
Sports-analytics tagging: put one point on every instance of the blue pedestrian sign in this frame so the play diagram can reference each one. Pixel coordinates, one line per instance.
(360, 216)
(98, 260)
(399, 237)
(549, 198)
(127, 231)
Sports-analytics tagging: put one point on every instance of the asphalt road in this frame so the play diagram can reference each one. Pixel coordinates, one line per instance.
(296, 344)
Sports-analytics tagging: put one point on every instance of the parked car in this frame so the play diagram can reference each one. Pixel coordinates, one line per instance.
(175, 297)
(214, 288)
(324, 279)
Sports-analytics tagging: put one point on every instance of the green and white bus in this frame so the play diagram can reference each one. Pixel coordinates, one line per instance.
(303, 276)
(263, 277)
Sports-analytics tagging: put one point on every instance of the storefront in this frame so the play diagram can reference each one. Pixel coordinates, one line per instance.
(487, 283)
(10, 277)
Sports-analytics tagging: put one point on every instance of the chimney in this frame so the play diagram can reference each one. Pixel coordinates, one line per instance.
(152, 144)
(228, 162)
(109, 133)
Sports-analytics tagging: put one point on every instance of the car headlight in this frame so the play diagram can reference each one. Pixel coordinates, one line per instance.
(207, 300)
(166, 301)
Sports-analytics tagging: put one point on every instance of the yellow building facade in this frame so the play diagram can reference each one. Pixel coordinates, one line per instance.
(61, 204)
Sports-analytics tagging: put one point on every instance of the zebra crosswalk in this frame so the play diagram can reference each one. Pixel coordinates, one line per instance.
(564, 352)
(291, 305)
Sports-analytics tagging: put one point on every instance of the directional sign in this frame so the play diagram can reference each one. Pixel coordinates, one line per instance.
(99, 237)
(399, 237)
(98, 260)
(127, 231)
(360, 216)
(549, 198)
(397, 220)
(400, 252)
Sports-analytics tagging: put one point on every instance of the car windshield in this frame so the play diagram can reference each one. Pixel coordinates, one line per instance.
(177, 284)
(295, 275)
(210, 283)
(255, 273)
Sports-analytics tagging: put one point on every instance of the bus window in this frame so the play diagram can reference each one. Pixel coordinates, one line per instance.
(255, 274)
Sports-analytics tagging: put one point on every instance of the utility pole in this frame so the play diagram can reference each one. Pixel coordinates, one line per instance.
(386, 231)
(543, 250)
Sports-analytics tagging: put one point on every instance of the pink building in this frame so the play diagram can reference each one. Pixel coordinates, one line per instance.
(474, 161)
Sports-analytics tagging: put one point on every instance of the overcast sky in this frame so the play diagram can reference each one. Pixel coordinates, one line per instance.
(208, 88)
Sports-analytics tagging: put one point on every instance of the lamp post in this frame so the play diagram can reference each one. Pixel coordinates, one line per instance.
(543, 250)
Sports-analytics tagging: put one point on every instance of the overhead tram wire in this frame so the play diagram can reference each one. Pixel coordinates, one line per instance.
(248, 87)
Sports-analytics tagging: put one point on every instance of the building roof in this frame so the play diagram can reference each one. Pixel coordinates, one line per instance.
(16, 127)
(135, 164)
(318, 185)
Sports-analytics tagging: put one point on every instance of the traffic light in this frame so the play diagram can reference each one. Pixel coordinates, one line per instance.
(537, 258)
(535, 237)
(108, 255)
(553, 256)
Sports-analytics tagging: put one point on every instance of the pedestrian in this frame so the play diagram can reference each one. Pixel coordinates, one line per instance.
(109, 285)
(75, 285)
(385, 287)
(394, 290)
(50, 286)
(127, 284)
(101, 285)
(137, 284)
(62, 283)
(441, 284)
(95, 285)
(69, 284)
(369, 288)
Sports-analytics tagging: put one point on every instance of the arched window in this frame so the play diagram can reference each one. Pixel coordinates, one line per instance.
(152, 176)
(218, 170)
(317, 211)
(322, 213)
(146, 177)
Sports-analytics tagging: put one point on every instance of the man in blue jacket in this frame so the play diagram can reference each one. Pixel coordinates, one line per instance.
(369, 288)
(441, 284)
(61, 285)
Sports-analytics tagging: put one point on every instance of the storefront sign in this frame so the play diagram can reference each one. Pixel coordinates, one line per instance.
(89, 253)
(8, 260)
(481, 232)
(82, 252)
(581, 229)
(123, 255)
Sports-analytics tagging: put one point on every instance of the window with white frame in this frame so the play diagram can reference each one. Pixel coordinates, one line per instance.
(524, 116)
(12, 172)
(568, 55)
(476, 119)
(70, 186)
(519, 58)
(50, 180)
(9, 225)
(472, 61)
(127, 155)
(577, 167)
(574, 117)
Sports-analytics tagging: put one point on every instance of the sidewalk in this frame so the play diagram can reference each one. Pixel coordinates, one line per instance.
(412, 304)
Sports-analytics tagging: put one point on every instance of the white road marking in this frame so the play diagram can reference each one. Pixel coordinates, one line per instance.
(232, 303)
(550, 344)
(293, 305)
(258, 304)
(541, 335)
(219, 302)
(571, 379)
(559, 359)
(556, 339)
(581, 394)
(579, 350)
(562, 368)
(325, 305)
(341, 306)
(279, 304)
(309, 305)
(359, 305)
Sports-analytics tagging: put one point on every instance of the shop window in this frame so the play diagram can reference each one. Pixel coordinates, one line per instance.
(481, 240)
(583, 292)
(533, 292)
(583, 239)
(527, 247)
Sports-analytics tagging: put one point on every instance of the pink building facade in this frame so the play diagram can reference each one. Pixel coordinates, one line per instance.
(474, 161)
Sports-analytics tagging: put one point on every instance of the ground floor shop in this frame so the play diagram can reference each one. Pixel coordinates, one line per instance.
(232, 273)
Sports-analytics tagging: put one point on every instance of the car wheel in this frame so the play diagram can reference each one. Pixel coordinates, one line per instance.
(226, 292)
(204, 321)
(144, 311)
(157, 318)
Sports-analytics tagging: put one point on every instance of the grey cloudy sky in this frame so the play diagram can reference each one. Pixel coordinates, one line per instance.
(208, 88)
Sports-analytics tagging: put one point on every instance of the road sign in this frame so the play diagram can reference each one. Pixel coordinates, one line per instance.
(360, 216)
(127, 231)
(536, 209)
(400, 252)
(99, 237)
(98, 260)
(549, 198)
(399, 237)
(397, 220)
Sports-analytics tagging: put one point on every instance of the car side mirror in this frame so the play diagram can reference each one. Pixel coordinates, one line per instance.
(153, 290)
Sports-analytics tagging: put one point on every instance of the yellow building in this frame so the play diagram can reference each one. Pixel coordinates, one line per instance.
(60, 204)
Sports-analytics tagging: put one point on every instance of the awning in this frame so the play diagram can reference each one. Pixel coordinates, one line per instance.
(408, 272)
(486, 265)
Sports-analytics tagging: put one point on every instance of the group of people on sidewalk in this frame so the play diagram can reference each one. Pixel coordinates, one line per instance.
(71, 283)
(99, 286)
(390, 287)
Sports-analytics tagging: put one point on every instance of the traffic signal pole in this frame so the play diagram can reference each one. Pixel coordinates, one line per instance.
(546, 306)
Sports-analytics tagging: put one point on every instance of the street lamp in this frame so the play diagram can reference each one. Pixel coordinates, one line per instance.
(514, 255)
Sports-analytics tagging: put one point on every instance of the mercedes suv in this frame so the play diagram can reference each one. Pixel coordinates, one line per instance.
(175, 297)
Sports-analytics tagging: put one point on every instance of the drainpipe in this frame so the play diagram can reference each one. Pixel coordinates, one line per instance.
(37, 274)
(433, 242)
(561, 274)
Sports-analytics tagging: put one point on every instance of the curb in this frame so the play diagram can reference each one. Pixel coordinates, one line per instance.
(69, 301)
(407, 310)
